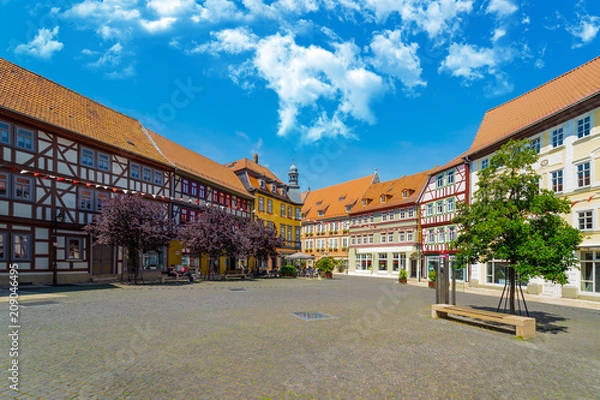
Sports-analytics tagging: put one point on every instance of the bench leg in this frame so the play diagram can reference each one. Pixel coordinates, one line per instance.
(438, 314)
(527, 330)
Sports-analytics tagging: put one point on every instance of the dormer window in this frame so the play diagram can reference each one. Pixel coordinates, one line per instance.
(273, 188)
(364, 202)
(382, 198)
(342, 198)
(283, 191)
(321, 213)
(262, 184)
(319, 203)
(348, 208)
(405, 193)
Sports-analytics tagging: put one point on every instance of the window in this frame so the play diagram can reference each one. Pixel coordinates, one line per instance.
(485, 163)
(282, 210)
(583, 127)
(87, 158)
(185, 185)
(308, 244)
(583, 174)
(23, 188)
(135, 171)
(584, 220)
(536, 143)
(353, 240)
(25, 139)
(590, 271)
(194, 188)
(363, 262)
(395, 261)
(390, 237)
(201, 191)
(409, 236)
(557, 181)
(429, 210)
(21, 247)
(371, 236)
(147, 174)
(382, 258)
(298, 213)
(450, 177)
(297, 234)
(557, 137)
(2, 245)
(439, 181)
(441, 235)
(345, 242)
(270, 206)
(4, 184)
(439, 207)
(411, 213)
(215, 196)
(358, 240)
(392, 215)
(497, 272)
(261, 204)
(404, 194)
(4, 133)
(451, 233)
(74, 248)
(262, 184)
(383, 237)
(103, 161)
(289, 233)
(450, 205)
(430, 236)
(289, 213)
(401, 237)
(183, 217)
(372, 217)
(100, 200)
(222, 198)
(384, 216)
(158, 177)
(382, 198)
(85, 199)
(402, 214)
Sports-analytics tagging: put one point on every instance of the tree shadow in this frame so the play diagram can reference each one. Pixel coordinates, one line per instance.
(544, 322)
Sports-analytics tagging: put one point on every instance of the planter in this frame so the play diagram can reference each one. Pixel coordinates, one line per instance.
(431, 284)
(329, 275)
(403, 280)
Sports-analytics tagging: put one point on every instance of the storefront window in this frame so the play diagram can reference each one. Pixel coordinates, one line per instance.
(590, 271)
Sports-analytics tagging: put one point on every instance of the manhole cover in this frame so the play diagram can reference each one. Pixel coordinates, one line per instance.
(311, 316)
(237, 289)
(39, 303)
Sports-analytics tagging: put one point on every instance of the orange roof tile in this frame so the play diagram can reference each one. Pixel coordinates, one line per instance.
(334, 199)
(31, 95)
(196, 164)
(540, 103)
(452, 163)
(392, 190)
(245, 164)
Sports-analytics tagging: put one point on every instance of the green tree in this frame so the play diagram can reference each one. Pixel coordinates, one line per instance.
(511, 219)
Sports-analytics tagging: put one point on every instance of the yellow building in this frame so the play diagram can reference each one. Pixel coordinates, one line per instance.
(275, 203)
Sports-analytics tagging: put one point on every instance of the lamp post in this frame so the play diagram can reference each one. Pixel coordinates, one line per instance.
(58, 217)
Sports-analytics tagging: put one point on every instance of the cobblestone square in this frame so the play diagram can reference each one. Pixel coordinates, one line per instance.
(207, 341)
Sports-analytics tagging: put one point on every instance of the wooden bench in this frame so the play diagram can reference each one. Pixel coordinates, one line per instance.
(234, 273)
(525, 325)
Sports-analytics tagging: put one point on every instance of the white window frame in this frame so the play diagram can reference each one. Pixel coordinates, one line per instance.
(581, 180)
(584, 127)
(439, 181)
(557, 137)
(556, 181)
(585, 220)
(450, 204)
(450, 175)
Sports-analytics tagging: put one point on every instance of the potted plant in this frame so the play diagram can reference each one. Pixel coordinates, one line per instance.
(325, 266)
(288, 271)
(431, 276)
(403, 276)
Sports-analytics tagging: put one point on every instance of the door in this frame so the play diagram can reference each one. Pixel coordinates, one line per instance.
(102, 260)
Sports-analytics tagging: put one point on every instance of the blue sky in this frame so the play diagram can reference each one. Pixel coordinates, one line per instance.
(343, 87)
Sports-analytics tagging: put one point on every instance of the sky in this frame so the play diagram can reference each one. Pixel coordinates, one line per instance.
(339, 87)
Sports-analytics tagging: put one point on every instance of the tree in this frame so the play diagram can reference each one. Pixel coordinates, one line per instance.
(214, 233)
(511, 219)
(134, 223)
(260, 241)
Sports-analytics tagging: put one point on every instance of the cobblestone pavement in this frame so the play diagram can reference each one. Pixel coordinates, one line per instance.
(207, 341)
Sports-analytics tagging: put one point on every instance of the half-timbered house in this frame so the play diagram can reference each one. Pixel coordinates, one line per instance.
(384, 228)
(62, 156)
(446, 187)
(199, 182)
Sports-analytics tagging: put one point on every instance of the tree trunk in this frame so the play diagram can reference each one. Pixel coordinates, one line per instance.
(511, 290)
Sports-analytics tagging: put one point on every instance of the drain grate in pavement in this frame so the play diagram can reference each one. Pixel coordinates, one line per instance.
(238, 289)
(311, 316)
(39, 303)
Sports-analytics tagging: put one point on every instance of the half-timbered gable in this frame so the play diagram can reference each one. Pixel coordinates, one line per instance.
(384, 227)
(561, 119)
(62, 156)
(446, 187)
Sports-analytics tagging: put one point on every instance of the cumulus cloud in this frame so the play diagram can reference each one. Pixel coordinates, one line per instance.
(394, 58)
(498, 33)
(585, 29)
(111, 58)
(231, 41)
(501, 7)
(168, 8)
(469, 62)
(162, 24)
(216, 11)
(107, 10)
(42, 45)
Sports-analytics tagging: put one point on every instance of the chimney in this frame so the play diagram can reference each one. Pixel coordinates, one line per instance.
(256, 158)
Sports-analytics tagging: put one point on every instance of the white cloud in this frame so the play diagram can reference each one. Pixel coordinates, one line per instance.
(107, 10)
(231, 41)
(498, 33)
(110, 59)
(500, 86)
(42, 45)
(215, 11)
(107, 32)
(469, 62)
(501, 7)
(586, 29)
(122, 74)
(162, 24)
(167, 8)
(394, 58)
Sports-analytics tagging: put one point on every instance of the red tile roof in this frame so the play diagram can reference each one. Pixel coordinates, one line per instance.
(196, 164)
(31, 95)
(539, 104)
(257, 169)
(334, 199)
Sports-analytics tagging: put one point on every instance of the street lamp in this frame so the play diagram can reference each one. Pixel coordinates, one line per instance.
(58, 217)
